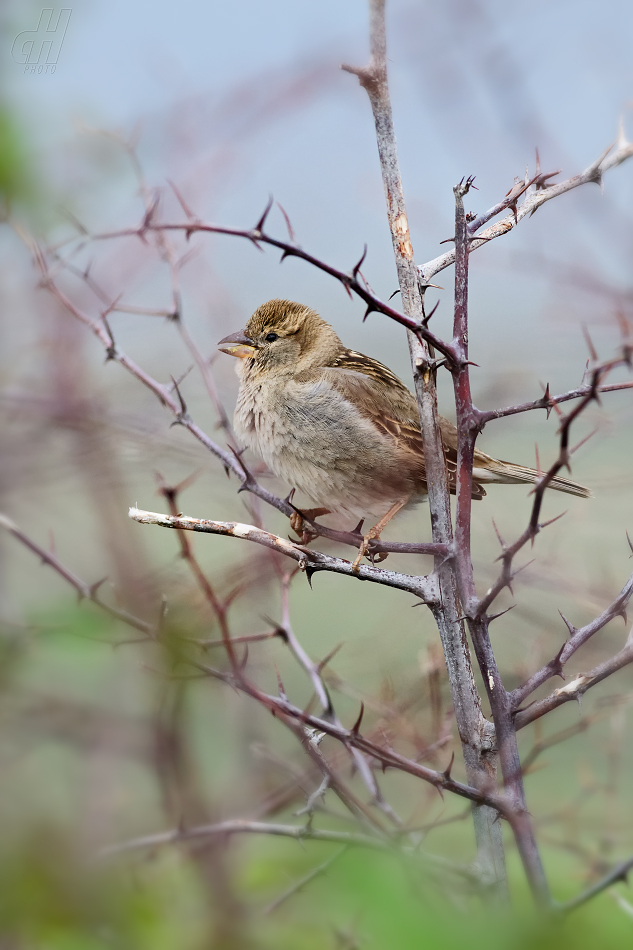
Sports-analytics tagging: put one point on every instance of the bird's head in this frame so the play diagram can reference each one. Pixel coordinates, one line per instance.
(282, 337)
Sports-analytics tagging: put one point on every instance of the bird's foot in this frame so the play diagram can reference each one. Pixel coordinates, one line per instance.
(374, 535)
(304, 529)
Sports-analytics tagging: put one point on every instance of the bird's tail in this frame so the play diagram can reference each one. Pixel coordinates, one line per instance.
(508, 473)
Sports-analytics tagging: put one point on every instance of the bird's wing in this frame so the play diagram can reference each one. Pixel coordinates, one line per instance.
(382, 397)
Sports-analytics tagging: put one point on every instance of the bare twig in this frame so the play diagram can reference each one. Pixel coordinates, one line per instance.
(619, 873)
(577, 687)
(474, 731)
(86, 591)
(304, 881)
(467, 431)
(547, 402)
(530, 204)
(308, 560)
(577, 638)
(242, 826)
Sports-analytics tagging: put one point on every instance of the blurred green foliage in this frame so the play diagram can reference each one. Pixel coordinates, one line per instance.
(16, 179)
(52, 899)
(56, 893)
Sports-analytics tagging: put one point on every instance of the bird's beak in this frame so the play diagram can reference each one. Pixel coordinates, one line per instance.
(238, 344)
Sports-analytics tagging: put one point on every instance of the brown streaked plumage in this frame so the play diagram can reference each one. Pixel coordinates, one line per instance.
(338, 425)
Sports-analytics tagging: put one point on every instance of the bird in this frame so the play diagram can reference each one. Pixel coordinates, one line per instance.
(339, 426)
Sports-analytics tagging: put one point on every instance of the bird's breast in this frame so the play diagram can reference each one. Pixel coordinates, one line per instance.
(318, 442)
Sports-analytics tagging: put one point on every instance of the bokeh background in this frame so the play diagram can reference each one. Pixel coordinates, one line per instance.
(233, 102)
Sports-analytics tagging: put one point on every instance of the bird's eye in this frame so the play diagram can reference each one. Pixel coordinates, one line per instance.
(271, 337)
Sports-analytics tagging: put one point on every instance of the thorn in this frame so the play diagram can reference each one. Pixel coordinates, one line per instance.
(499, 538)
(570, 626)
(290, 228)
(546, 524)
(346, 282)
(555, 665)
(425, 321)
(540, 179)
(359, 528)
(280, 686)
(586, 438)
(183, 404)
(309, 571)
(538, 461)
(501, 613)
(356, 726)
(260, 224)
(181, 201)
(288, 252)
(281, 632)
(245, 658)
(549, 403)
(447, 771)
(630, 543)
(391, 296)
(95, 587)
(324, 662)
(370, 309)
(149, 214)
(594, 169)
(358, 266)
(290, 496)
(622, 613)
(590, 346)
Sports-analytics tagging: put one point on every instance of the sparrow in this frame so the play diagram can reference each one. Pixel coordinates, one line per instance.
(338, 425)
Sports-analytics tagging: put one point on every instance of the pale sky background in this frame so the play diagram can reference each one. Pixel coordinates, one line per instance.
(239, 100)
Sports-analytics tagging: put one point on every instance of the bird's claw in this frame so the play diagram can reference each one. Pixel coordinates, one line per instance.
(303, 529)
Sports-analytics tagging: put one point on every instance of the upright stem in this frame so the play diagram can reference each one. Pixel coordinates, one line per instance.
(476, 734)
(500, 704)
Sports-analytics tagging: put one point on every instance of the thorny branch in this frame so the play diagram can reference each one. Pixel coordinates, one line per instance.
(577, 687)
(309, 561)
(478, 622)
(535, 196)
(450, 591)
(618, 874)
(231, 461)
(85, 591)
(508, 553)
(577, 637)
(241, 826)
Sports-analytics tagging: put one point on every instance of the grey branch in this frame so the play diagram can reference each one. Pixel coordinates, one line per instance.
(389, 758)
(577, 687)
(577, 638)
(547, 402)
(474, 730)
(619, 873)
(242, 826)
(533, 201)
(309, 561)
